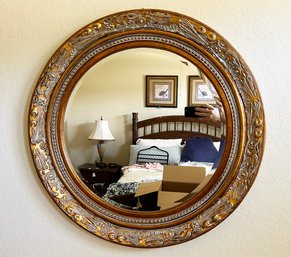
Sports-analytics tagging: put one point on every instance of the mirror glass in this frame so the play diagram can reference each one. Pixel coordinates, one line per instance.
(113, 89)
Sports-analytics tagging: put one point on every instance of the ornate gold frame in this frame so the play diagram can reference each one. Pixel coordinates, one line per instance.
(216, 58)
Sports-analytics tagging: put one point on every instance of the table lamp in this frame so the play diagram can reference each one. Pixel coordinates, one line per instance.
(102, 135)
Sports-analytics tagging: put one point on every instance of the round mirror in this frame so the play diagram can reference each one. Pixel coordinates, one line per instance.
(114, 88)
(144, 72)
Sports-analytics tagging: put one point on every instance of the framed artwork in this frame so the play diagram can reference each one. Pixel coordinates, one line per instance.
(161, 91)
(201, 91)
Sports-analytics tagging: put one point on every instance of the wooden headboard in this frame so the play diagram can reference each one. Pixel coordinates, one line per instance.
(170, 127)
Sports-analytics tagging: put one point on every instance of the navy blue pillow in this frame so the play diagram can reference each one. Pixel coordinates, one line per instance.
(199, 150)
(220, 153)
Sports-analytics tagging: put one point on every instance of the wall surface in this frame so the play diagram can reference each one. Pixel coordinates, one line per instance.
(32, 225)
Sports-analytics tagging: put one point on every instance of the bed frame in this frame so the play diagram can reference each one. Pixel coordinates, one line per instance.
(171, 127)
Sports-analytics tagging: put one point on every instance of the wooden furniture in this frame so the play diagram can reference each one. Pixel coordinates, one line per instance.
(172, 126)
(99, 178)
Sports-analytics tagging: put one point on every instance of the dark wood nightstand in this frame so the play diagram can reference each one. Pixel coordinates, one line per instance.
(99, 178)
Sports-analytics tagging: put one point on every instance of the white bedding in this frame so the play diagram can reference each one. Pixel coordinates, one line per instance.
(135, 174)
(154, 172)
(142, 173)
(206, 165)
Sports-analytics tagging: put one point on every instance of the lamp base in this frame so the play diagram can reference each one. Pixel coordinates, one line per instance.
(100, 164)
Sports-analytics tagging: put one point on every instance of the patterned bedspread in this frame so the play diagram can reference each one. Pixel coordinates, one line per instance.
(122, 192)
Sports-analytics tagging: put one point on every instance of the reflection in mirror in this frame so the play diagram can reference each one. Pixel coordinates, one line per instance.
(113, 89)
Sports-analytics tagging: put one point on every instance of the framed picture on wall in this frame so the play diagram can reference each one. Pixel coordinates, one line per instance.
(161, 91)
(201, 91)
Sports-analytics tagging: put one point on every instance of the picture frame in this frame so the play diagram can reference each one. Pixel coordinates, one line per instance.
(161, 91)
(200, 91)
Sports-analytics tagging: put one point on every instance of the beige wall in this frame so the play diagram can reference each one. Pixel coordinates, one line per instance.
(32, 225)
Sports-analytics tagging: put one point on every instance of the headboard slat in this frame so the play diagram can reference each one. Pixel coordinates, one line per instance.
(165, 132)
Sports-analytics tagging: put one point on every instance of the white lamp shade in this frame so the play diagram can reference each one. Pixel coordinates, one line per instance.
(101, 131)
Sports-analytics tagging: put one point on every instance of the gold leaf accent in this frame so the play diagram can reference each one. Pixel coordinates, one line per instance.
(233, 202)
(89, 31)
(122, 239)
(218, 217)
(201, 29)
(69, 209)
(58, 192)
(44, 172)
(78, 217)
(258, 133)
(187, 231)
(98, 231)
(143, 242)
(207, 224)
(259, 122)
(68, 47)
(211, 36)
(97, 26)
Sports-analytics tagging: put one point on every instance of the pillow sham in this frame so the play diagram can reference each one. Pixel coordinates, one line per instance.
(199, 150)
(159, 142)
(219, 155)
(217, 145)
(174, 153)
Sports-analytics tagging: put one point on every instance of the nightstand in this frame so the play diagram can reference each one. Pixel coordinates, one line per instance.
(99, 178)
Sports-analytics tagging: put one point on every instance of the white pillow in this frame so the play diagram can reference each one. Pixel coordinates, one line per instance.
(174, 153)
(159, 142)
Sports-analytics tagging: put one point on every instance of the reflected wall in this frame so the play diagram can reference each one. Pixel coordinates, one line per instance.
(113, 89)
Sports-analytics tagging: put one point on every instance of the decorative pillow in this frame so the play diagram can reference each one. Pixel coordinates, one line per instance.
(174, 153)
(217, 145)
(219, 155)
(199, 150)
(159, 142)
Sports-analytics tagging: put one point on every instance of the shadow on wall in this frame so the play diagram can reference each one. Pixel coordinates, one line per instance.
(80, 149)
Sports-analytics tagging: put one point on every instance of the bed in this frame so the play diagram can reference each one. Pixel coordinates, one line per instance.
(159, 141)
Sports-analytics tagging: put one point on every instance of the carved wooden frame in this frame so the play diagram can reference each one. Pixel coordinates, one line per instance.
(226, 70)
